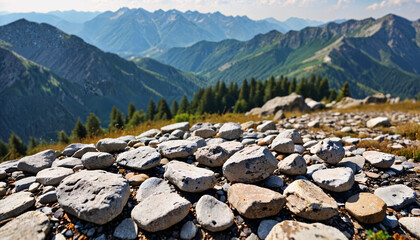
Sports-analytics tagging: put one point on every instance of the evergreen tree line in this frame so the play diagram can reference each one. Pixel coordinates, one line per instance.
(218, 99)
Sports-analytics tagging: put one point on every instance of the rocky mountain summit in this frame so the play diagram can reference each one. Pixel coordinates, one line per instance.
(289, 179)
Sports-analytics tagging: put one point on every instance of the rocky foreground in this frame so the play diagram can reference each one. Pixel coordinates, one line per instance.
(258, 180)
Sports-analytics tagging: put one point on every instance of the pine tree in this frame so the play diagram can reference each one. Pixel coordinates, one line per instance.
(163, 110)
(33, 143)
(324, 89)
(244, 91)
(269, 89)
(183, 107)
(252, 92)
(240, 106)
(206, 102)
(117, 119)
(318, 92)
(259, 94)
(17, 147)
(285, 87)
(93, 125)
(332, 96)
(79, 131)
(196, 100)
(4, 150)
(221, 95)
(311, 90)
(344, 92)
(137, 118)
(130, 112)
(174, 108)
(302, 88)
(63, 138)
(292, 86)
(151, 110)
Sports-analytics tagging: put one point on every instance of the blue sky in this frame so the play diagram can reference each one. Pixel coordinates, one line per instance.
(256, 9)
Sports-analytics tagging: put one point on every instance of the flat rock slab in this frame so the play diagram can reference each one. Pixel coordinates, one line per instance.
(293, 164)
(411, 224)
(251, 164)
(74, 147)
(127, 229)
(303, 231)
(184, 126)
(33, 225)
(152, 186)
(79, 153)
(97, 160)
(313, 168)
(15, 204)
(189, 178)
(283, 145)
(266, 125)
(52, 176)
(37, 162)
(141, 158)
(255, 202)
(94, 196)
(396, 196)
(366, 208)
(24, 183)
(205, 132)
(231, 147)
(230, 131)
(212, 155)
(69, 162)
(378, 122)
(213, 214)
(160, 211)
(177, 148)
(291, 134)
(339, 179)
(149, 134)
(356, 163)
(379, 159)
(111, 145)
(307, 200)
(329, 151)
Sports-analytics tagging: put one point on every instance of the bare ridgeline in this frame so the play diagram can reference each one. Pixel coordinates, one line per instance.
(282, 179)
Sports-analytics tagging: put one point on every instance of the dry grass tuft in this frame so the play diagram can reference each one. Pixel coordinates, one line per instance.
(385, 146)
(405, 106)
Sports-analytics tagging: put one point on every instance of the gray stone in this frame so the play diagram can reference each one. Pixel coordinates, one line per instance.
(213, 214)
(293, 164)
(110, 145)
(3, 174)
(303, 231)
(79, 153)
(231, 147)
(274, 181)
(188, 177)
(69, 162)
(74, 147)
(48, 197)
(53, 176)
(177, 133)
(97, 160)
(205, 132)
(378, 122)
(149, 134)
(314, 124)
(184, 126)
(141, 158)
(334, 179)
(291, 134)
(33, 225)
(202, 125)
(188, 231)
(198, 140)
(396, 196)
(230, 131)
(214, 141)
(34, 187)
(279, 115)
(24, 183)
(15, 204)
(310, 143)
(266, 125)
(177, 149)
(282, 145)
(127, 138)
(356, 163)
(9, 166)
(94, 196)
(411, 224)
(390, 222)
(127, 229)
(287, 103)
(37, 162)
(251, 164)
(307, 200)
(160, 211)
(329, 151)
(212, 155)
(313, 168)
(379, 159)
(151, 186)
(265, 227)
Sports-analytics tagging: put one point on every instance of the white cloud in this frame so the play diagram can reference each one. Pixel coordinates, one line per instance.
(390, 3)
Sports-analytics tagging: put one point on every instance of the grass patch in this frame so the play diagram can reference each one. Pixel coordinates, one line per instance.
(385, 146)
(409, 130)
(405, 107)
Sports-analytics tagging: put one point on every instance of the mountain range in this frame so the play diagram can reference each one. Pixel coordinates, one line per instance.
(137, 32)
(380, 55)
(102, 79)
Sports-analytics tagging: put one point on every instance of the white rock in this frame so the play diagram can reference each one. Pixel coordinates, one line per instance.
(97, 160)
(69, 162)
(396, 196)
(206, 132)
(33, 225)
(110, 145)
(230, 131)
(266, 125)
(339, 179)
(377, 122)
(15, 204)
(37, 162)
(293, 164)
(303, 231)
(291, 134)
(48, 197)
(151, 186)
(411, 224)
(141, 158)
(283, 145)
(379, 159)
(329, 151)
(53, 176)
(213, 214)
(184, 126)
(177, 148)
(212, 155)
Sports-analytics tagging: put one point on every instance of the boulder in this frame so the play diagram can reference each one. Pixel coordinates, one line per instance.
(376, 98)
(334, 179)
(366, 208)
(33, 225)
(378, 122)
(15, 204)
(189, 178)
(94, 196)
(308, 201)
(293, 164)
(184, 126)
(348, 102)
(37, 162)
(53, 176)
(379, 159)
(251, 164)
(160, 211)
(304, 231)
(177, 148)
(230, 131)
(213, 214)
(255, 202)
(396, 196)
(279, 115)
(111, 145)
(292, 102)
(314, 105)
(141, 158)
(97, 160)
